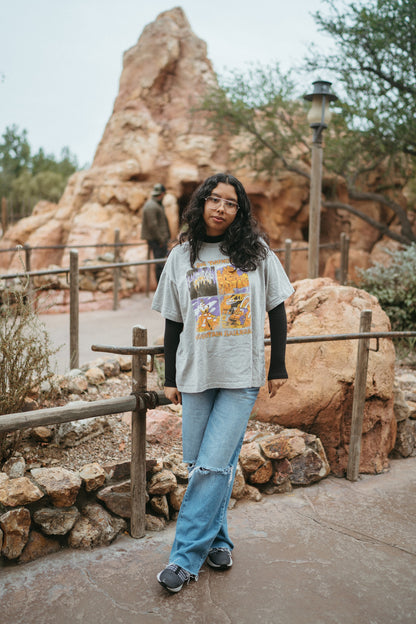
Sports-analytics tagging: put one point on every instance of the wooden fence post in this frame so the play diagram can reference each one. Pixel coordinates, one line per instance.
(358, 403)
(73, 309)
(28, 268)
(288, 255)
(116, 271)
(345, 247)
(4, 222)
(138, 439)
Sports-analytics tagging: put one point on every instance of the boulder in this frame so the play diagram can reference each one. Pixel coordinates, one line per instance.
(307, 468)
(111, 368)
(60, 484)
(93, 476)
(154, 523)
(401, 408)
(19, 491)
(162, 482)
(160, 506)
(176, 496)
(250, 457)
(56, 521)
(42, 434)
(239, 483)
(78, 431)
(15, 525)
(405, 439)
(95, 527)
(95, 376)
(37, 546)
(263, 474)
(174, 463)
(117, 498)
(14, 467)
(317, 398)
(163, 427)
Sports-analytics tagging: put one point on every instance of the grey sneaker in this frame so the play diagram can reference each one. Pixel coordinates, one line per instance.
(220, 558)
(173, 577)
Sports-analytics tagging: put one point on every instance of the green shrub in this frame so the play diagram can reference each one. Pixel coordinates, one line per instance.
(395, 288)
(25, 356)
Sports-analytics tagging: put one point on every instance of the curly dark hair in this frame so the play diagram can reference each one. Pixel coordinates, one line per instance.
(243, 242)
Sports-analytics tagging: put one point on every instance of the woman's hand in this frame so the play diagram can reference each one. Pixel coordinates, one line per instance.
(274, 385)
(173, 395)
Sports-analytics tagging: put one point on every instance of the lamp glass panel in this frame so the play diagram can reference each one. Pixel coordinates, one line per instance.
(315, 112)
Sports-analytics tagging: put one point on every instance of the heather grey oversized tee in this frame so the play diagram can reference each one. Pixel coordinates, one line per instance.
(223, 311)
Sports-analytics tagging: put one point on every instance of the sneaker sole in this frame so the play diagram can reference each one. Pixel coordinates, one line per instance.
(219, 567)
(173, 590)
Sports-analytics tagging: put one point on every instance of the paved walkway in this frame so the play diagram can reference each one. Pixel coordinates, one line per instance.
(334, 553)
(107, 327)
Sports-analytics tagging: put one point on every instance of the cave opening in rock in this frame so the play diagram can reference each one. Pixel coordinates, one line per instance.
(187, 188)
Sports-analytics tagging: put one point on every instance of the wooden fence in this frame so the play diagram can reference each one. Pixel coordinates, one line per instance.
(74, 271)
(141, 399)
(287, 250)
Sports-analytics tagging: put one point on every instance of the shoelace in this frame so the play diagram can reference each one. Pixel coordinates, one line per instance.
(184, 576)
(214, 550)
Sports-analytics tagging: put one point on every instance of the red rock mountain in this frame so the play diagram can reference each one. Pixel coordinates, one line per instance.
(155, 135)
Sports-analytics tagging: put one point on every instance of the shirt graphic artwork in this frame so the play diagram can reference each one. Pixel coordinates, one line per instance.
(220, 299)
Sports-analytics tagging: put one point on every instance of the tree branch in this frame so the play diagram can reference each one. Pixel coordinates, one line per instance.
(383, 229)
(406, 227)
(399, 84)
(293, 168)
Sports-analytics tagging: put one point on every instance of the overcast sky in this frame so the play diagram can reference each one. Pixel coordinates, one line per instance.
(61, 60)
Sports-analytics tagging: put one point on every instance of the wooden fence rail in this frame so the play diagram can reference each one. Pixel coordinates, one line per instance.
(343, 245)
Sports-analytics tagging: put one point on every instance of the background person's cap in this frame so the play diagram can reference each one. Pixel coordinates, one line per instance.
(158, 189)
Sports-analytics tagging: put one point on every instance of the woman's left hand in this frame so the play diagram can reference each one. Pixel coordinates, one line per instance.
(274, 385)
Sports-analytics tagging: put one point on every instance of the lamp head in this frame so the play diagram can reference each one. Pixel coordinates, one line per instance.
(320, 114)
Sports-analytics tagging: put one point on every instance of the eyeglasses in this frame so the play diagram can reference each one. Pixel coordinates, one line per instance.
(230, 206)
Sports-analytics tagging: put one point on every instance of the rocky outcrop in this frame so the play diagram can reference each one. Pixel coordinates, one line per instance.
(317, 398)
(54, 507)
(155, 134)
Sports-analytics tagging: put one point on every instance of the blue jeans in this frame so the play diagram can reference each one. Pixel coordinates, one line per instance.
(213, 427)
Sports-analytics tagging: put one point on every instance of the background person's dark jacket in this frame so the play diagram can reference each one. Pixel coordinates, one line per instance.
(155, 226)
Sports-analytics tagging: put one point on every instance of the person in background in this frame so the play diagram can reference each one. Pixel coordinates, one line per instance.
(214, 292)
(155, 226)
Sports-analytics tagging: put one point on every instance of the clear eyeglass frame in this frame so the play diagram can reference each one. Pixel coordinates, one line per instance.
(229, 205)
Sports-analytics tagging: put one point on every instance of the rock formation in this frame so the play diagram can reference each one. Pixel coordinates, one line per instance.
(317, 398)
(155, 135)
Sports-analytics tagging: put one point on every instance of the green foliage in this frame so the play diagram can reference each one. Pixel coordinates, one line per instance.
(26, 179)
(28, 189)
(25, 356)
(395, 288)
(372, 136)
(260, 107)
(374, 64)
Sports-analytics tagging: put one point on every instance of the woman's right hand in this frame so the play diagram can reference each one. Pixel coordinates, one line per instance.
(173, 395)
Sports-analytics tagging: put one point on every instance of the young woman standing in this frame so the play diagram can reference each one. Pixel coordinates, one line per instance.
(214, 291)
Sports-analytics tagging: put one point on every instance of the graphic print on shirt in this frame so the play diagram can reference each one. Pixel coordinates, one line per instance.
(220, 299)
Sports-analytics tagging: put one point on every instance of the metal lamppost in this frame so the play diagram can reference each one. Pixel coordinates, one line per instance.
(319, 117)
